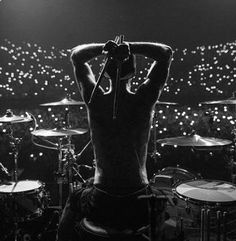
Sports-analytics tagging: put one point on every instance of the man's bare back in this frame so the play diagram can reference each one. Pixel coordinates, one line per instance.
(120, 144)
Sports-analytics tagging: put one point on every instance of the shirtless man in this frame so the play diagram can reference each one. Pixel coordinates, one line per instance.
(120, 143)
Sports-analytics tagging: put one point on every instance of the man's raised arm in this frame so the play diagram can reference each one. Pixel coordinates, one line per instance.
(85, 52)
(159, 71)
(155, 51)
(85, 78)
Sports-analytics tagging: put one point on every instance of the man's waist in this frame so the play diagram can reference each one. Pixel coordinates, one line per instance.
(120, 184)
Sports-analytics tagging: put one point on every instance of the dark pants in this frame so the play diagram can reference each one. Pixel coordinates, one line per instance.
(119, 212)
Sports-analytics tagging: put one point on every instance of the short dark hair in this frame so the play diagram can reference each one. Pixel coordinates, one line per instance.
(128, 68)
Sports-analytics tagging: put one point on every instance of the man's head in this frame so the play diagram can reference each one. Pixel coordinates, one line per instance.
(128, 68)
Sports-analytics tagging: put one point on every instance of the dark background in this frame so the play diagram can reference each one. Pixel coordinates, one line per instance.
(201, 32)
(181, 24)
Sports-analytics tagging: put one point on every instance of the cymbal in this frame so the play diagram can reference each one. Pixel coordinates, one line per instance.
(23, 120)
(231, 101)
(9, 117)
(165, 103)
(64, 102)
(194, 140)
(58, 132)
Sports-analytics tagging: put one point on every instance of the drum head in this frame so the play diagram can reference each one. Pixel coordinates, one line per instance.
(207, 191)
(20, 186)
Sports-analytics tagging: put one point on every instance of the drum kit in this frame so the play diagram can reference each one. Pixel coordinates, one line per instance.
(200, 209)
(195, 203)
(25, 200)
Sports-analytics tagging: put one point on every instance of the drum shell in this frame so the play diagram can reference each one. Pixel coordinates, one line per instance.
(177, 209)
(23, 205)
(220, 212)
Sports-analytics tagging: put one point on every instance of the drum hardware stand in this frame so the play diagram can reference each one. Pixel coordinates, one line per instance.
(60, 173)
(233, 158)
(71, 167)
(221, 225)
(14, 143)
(67, 166)
(155, 212)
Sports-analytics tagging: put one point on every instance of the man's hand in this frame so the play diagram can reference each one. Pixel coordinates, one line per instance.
(110, 47)
(119, 53)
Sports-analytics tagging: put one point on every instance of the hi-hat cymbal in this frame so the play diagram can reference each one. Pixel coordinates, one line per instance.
(194, 140)
(9, 117)
(64, 102)
(58, 132)
(14, 119)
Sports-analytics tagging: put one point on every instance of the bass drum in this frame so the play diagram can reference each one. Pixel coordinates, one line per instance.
(178, 213)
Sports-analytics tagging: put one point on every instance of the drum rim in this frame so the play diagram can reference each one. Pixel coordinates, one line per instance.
(203, 202)
(183, 170)
(32, 190)
(194, 176)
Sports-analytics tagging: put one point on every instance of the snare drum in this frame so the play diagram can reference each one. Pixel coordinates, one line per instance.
(22, 200)
(214, 196)
(208, 192)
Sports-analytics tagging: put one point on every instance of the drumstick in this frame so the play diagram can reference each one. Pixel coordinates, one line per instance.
(107, 59)
(117, 86)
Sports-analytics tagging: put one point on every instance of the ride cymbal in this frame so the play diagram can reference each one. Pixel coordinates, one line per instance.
(194, 140)
(58, 132)
(229, 101)
(165, 103)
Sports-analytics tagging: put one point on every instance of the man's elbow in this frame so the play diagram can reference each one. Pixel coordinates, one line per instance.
(74, 56)
(77, 54)
(168, 53)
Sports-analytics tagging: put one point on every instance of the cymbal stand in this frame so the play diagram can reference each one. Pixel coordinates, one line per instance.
(60, 172)
(14, 143)
(157, 205)
(71, 167)
(233, 158)
(67, 114)
(69, 164)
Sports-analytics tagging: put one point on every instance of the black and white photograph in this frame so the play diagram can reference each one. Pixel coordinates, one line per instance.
(117, 120)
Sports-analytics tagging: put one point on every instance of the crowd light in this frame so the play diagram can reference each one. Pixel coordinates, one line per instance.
(29, 69)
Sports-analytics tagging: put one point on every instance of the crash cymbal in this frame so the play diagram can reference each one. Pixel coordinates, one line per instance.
(64, 102)
(165, 103)
(58, 132)
(194, 140)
